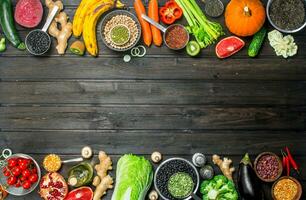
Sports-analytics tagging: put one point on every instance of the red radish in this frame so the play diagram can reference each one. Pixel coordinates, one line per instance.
(28, 13)
(229, 46)
(82, 193)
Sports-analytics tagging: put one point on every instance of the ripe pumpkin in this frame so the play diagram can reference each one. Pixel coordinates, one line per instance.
(244, 17)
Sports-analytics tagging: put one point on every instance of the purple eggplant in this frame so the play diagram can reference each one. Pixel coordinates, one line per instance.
(248, 183)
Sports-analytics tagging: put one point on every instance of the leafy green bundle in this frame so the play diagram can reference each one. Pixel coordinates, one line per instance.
(205, 32)
(133, 178)
(218, 188)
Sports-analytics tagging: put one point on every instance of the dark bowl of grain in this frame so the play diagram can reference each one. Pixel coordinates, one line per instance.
(179, 173)
(120, 30)
(287, 16)
(287, 188)
(268, 167)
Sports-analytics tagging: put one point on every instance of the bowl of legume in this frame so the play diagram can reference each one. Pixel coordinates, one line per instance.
(176, 179)
(268, 167)
(120, 30)
(286, 188)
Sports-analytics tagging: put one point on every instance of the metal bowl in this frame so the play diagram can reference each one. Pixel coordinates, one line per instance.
(191, 170)
(280, 29)
(110, 16)
(20, 191)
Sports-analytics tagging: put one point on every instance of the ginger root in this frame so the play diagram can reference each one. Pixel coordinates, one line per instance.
(60, 28)
(102, 181)
(224, 165)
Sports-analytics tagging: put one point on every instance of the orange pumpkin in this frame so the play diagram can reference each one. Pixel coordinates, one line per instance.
(244, 17)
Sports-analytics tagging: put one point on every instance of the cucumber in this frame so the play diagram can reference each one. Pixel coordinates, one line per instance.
(257, 42)
(8, 25)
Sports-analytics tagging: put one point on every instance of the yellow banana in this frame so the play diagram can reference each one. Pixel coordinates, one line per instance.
(90, 22)
(79, 16)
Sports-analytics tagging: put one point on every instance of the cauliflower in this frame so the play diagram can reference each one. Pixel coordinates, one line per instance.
(218, 188)
(283, 46)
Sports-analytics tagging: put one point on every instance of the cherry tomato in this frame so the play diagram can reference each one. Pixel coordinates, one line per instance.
(23, 165)
(26, 173)
(11, 180)
(7, 173)
(22, 178)
(18, 184)
(12, 162)
(16, 171)
(26, 184)
(33, 178)
(34, 170)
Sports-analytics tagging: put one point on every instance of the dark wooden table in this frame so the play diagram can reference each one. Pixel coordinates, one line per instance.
(166, 101)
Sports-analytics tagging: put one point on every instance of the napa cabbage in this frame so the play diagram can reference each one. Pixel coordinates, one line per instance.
(134, 176)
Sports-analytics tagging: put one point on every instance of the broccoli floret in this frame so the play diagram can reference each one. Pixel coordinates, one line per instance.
(219, 188)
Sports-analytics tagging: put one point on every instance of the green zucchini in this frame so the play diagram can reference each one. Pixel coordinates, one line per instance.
(257, 42)
(8, 25)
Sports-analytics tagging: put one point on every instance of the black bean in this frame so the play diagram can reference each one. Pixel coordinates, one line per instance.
(38, 42)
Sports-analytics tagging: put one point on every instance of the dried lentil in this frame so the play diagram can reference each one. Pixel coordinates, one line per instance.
(285, 189)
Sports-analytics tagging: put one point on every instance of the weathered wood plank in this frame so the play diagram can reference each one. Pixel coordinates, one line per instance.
(152, 117)
(154, 92)
(28, 68)
(146, 141)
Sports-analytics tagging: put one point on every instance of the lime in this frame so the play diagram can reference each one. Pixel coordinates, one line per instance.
(193, 48)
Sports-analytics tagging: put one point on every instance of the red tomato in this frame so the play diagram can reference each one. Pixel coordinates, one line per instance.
(26, 184)
(33, 178)
(34, 170)
(23, 178)
(18, 184)
(26, 173)
(12, 162)
(23, 165)
(11, 180)
(16, 171)
(7, 173)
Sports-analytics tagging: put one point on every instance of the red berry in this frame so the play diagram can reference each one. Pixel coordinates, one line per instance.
(22, 178)
(26, 173)
(33, 178)
(11, 180)
(16, 171)
(12, 162)
(26, 184)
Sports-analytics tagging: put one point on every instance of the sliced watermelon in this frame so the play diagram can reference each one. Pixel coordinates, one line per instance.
(82, 193)
(28, 13)
(229, 46)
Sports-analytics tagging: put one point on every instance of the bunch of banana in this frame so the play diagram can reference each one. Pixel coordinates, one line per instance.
(86, 18)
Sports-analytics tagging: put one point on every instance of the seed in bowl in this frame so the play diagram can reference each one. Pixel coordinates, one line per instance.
(285, 189)
(121, 20)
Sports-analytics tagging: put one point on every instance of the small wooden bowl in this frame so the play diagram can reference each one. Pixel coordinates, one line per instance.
(280, 166)
(299, 193)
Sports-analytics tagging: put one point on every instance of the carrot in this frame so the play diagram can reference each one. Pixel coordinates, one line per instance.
(153, 13)
(145, 26)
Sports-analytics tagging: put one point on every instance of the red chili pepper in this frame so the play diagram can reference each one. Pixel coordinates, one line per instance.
(291, 160)
(287, 165)
(284, 162)
(170, 12)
